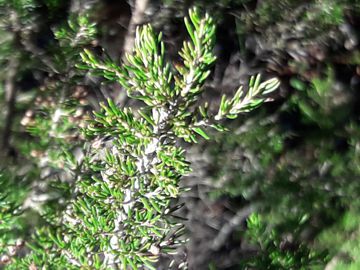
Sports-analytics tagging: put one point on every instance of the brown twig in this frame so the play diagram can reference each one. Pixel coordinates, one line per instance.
(233, 223)
(10, 93)
(10, 87)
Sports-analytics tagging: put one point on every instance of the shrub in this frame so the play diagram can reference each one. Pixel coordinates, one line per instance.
(120, 207)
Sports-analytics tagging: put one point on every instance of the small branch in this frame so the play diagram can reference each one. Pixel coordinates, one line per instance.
(10, 97)
(28, 46)
(234, 222)
(137, 18)
(10, 87)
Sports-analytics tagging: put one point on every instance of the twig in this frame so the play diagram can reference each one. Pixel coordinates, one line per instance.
(228, 228)
(10, 96)
(137, 18)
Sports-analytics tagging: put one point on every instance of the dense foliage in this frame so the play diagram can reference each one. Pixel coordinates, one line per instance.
(146, 158)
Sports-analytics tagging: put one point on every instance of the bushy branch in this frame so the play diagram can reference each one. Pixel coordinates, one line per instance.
(122, 212)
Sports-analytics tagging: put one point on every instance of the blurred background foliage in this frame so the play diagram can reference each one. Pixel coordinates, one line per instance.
(279, 190)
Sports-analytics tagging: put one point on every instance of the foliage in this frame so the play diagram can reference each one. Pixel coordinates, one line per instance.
(277, 252)
(12, 224)
(298, 163)
(133, 182)
(326, 13)
(121, 214)
(110, 184)
(59, 108)
(342, 239)
(53, 114)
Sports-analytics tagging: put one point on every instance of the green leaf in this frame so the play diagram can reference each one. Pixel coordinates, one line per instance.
(201, 132)
(297, 84)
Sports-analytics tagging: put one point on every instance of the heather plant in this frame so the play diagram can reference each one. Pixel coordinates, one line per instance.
(105, 197)
(12, 224)
(55, 117)
(102, 190)
(59, 107)
(144, 161)
(299, 168)
(52, 111)
(122, 211)
(275, 251)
